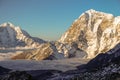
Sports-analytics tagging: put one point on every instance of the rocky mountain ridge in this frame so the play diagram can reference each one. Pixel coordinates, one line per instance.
(105, 66)
(95, 32)
(51, 51)
(14, 37)
(92, 33)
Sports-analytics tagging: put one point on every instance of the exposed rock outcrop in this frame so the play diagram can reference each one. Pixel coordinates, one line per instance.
(103, 67)
(12, 37)
(3, 70)
(51, 51)
(94, 32)
(16, 75)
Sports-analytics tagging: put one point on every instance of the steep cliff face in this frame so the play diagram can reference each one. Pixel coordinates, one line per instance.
(44, 51)
(14, 37)
(94, 32)
(105, 66)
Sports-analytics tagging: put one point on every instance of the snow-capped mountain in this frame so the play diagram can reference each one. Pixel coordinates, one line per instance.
(14, 37)
(94, 32)
(105, 66)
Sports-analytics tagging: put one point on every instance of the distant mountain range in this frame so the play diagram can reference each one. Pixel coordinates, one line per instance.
(92, 33)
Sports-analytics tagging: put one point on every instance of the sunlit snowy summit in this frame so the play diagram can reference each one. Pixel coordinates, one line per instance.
(14, 37)
(92, 33)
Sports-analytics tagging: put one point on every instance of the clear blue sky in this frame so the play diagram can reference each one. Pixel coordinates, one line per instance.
(49, 19)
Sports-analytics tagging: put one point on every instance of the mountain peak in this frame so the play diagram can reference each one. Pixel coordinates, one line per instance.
(91, 10)
(99, 13)
(94, 32)
(95, 11)
(14, 37)
(7, 24)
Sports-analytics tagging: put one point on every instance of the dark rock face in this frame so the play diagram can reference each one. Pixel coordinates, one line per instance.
(105, 66)
(16, 75)
(93, 76)
(3, 70)
(43, 74)
(6, 74)
(105, 59)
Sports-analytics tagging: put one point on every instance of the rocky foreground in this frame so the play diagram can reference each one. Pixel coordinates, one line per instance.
(105, 66)
(94, 35)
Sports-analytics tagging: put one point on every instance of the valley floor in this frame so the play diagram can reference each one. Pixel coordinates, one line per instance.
(62, 65)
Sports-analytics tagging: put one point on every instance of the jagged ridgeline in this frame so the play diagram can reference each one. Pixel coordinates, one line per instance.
(14, 37)
(92, 33)
(95, 32)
